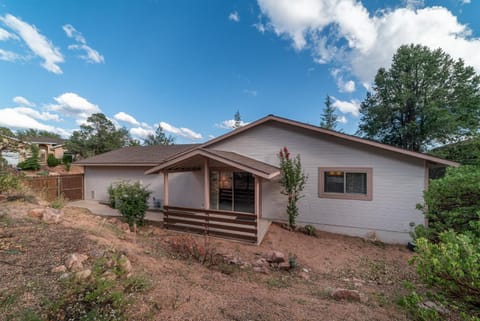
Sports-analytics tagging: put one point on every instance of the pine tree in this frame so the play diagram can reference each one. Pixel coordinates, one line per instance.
(159, 138)
(329, 118)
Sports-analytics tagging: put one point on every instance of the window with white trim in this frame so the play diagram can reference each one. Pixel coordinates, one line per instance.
(345, 183)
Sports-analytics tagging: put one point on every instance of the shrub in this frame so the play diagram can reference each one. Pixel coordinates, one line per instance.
(31, 163)
(52, 161)
(67, 159)
(452, 266)
(131, 199)
(309, 230)
(8, 182)
(293, 182)
(58, 203)
(453, 202)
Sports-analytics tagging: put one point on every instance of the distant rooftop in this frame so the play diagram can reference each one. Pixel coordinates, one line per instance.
(45, 140)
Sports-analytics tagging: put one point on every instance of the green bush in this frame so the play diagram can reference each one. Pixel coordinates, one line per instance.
(453, 202)
(52, 161)
(31, 163)
(67, 159)
(131, 199)
(8, 182)
(452, 266)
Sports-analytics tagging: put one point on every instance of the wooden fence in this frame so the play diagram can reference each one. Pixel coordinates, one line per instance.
(51, 187)
(234, 225)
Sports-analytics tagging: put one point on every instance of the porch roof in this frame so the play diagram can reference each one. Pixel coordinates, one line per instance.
(193, 160)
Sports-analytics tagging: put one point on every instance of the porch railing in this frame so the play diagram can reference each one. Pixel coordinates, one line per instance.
(234, 225)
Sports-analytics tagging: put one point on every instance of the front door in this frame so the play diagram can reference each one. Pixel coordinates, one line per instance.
(232, 191)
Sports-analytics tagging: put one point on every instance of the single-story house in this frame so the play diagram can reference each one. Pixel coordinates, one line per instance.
(229, 186)
(47, 146)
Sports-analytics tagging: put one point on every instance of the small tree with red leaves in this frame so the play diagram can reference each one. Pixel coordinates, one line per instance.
(293, 182)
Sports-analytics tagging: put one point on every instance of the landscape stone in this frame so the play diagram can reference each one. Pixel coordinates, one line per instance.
(83, 275)
(284, 266)
(346, 294)
(61, 268)
(36, 212)
(275, 257)
(125, 264)
(52, 216)
(75, 261)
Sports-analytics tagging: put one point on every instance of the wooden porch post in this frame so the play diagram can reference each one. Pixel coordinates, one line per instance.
(165, 188)
(258, 195)
(206, 184)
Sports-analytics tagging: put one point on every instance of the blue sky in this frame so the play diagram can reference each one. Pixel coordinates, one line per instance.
(190, 65)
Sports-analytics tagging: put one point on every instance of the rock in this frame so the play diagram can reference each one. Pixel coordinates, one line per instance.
(284, 266)
(36, 213)
(305, 270)
(275, 257)
(124, 227)
(261, 269)
(52, 216)
(125, 264)
(235, 261)
(75, 261)
(61, 268)
(64, 276)
(433, 306)
(260, 262)
(345, 294)
(304, 275)
(83, 275)
(109, 276)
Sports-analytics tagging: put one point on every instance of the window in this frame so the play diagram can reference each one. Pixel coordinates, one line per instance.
(345, 183)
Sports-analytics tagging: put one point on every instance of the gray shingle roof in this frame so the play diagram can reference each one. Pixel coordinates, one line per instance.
(136, 155)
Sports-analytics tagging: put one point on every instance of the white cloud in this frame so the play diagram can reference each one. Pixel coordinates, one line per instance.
(230, 124)
(22, 101)
(36, 114)
(184, 132)
(234, 16)
(250, 92)
(342, 119)
(347, 107)
(71, 104)
(126, 118)
(9, 55)
(15, 119)
(140, 132)
(5, 35)
(38, 43)
(466, 1)
(345, 33)
(343, 86)
(91, 55)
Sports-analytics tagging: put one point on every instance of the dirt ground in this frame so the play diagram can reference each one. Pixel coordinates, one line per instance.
(184, 289)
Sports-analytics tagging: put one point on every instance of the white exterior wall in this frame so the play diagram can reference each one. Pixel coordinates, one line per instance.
(398, 182)
(185, 189)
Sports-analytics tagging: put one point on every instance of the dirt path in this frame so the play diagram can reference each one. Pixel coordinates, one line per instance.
(184, 289)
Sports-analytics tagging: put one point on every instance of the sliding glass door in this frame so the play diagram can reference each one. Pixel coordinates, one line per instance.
(232, 191)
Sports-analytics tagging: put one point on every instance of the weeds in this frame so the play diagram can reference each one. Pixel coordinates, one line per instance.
(58, 203)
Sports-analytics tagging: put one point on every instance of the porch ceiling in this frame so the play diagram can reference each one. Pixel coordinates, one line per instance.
(194, 160)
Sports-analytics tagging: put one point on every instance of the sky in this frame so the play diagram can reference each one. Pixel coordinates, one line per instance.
(190, 65)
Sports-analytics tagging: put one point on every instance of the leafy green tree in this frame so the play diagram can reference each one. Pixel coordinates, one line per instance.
(329, 118)
(293, 181)
(98, 135)
(32, 162)
(466, 152)
(29, 133)
(425, 97)
(159, 138)
(238, 120)
(6, 132)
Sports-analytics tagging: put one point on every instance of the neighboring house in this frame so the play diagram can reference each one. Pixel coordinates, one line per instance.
(12, 150)
(47, 146)
(355, 186)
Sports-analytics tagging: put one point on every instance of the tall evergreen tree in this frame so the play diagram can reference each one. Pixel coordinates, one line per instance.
(159, 138)
(238, 120)
(425, 98)
(329, 118)
(98, 135)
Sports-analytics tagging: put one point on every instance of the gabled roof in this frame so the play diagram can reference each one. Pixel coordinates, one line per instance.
(235, 160)
(136, 155)
(316, 129)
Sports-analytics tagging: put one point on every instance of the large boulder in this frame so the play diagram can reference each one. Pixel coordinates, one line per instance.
(75, 261)
(36, 212)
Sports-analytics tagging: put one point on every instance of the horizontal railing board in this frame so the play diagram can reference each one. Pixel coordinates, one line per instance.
(213, 233)
(209, 211)
(212, 225)
(210, 218)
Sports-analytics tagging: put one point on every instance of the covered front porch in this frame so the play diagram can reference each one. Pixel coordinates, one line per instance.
(232, 194)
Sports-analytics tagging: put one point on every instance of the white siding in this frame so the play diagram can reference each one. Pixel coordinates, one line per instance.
(398, 181)
(185, 189)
